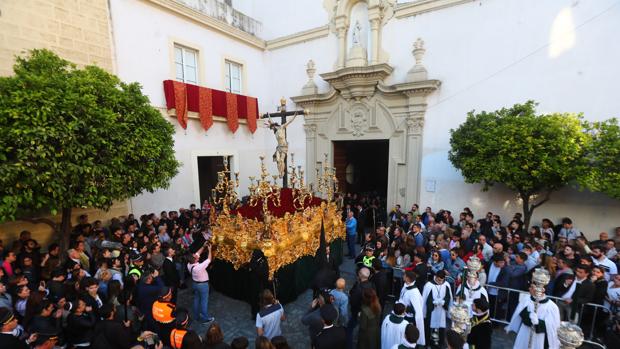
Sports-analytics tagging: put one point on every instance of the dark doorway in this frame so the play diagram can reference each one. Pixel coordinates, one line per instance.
(362, 166)
(208, 167)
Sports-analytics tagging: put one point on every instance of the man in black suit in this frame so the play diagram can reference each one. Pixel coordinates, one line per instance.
(421, 270)
(380, 280)
(329, 262)
(171, 276)
(497, 276)
(582, 291)
(331, 336)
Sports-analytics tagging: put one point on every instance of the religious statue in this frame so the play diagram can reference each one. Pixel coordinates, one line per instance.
(356, 32)
(279, 157)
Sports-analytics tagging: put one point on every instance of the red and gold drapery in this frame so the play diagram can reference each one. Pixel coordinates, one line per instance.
(208, 103)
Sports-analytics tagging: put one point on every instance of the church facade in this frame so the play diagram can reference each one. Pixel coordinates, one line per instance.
(399, 74)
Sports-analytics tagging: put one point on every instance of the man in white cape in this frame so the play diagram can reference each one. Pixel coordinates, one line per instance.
(412, 299)
(409, 339)
(393, 327)
(472, 291)
(436, 298)
(544, 323)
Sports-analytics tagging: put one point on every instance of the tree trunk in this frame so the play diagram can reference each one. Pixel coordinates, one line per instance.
(527, 211)
(65, 229)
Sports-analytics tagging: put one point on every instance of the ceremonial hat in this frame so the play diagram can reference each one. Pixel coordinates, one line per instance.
(6, 316)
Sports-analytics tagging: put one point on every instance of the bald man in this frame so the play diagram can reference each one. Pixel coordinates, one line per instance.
(341, 302)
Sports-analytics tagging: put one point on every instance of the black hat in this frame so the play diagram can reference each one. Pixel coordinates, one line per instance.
(6, 316)
(164, 291)
(481, 304)
(135, 256)
(329, 313)
(181, 317)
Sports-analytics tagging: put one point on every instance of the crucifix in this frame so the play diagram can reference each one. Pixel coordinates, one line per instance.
(280, 155)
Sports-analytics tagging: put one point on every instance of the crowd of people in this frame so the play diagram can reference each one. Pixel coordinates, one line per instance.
(117, 285)
(426, 256)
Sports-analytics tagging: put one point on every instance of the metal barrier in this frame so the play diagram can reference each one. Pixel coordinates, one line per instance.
(508, 298)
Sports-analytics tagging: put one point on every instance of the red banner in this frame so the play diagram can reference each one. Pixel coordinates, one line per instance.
(232, 112)
(252, 112)
(180, 103)
(205, 107)
(209, 103)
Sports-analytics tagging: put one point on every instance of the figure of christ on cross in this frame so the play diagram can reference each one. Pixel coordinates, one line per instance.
(281, 153)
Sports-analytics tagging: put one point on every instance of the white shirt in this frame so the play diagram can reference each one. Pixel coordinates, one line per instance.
(571, 290)
(609, 266)
(269, 320)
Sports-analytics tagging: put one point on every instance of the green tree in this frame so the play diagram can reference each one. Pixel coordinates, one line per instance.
(601, 168)
(531, 154)
(74, 137)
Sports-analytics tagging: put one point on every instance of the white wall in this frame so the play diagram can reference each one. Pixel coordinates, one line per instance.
(493, 53)
(284, 17)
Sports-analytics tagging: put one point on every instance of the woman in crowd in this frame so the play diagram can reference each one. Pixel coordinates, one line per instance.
(370, 321)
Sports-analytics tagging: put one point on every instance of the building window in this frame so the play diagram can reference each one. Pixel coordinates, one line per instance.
(186, 64)
(233, 77)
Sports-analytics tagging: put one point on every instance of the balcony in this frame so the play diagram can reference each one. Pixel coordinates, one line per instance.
(223, 11)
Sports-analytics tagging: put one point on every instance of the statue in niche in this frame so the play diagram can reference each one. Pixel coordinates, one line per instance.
(357, 29)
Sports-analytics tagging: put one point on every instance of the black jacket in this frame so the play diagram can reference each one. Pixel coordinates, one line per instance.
(331, 338)
(111, 334)
(583, 294)
(480, 335)
(9, 341)
(382, 285)
(170, 277)
(355, 296)
(80, 328)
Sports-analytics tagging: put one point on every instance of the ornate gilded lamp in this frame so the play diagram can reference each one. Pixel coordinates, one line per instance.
(570, 335)
(461, 320)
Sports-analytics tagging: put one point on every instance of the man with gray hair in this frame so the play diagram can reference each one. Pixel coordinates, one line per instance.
(355, 299)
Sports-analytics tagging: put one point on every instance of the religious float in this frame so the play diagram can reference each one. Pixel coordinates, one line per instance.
(284, 227)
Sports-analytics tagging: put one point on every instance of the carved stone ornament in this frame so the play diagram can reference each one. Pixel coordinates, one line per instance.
(358, 123)
(310, 87)
(310, 130)
(415, 125)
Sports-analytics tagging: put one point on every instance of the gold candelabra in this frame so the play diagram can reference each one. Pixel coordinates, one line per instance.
(225, 191)
(263, 190)
(326, 180)
(301, 193)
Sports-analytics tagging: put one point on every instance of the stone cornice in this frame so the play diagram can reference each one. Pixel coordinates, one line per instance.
(358, 82)
(319, 97)
(421, 6)
(424, 87)
(296, 38)
(209, 22)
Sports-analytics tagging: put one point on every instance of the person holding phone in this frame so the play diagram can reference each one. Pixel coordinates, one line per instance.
(200, 283)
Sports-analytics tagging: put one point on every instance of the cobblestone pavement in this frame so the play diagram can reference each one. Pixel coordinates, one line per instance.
(234, 316)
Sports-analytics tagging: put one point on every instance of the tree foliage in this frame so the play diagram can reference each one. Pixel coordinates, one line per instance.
(601, 171)
(531, 154)
(74, 137)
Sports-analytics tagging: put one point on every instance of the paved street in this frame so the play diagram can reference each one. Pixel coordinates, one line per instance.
(234, 316)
